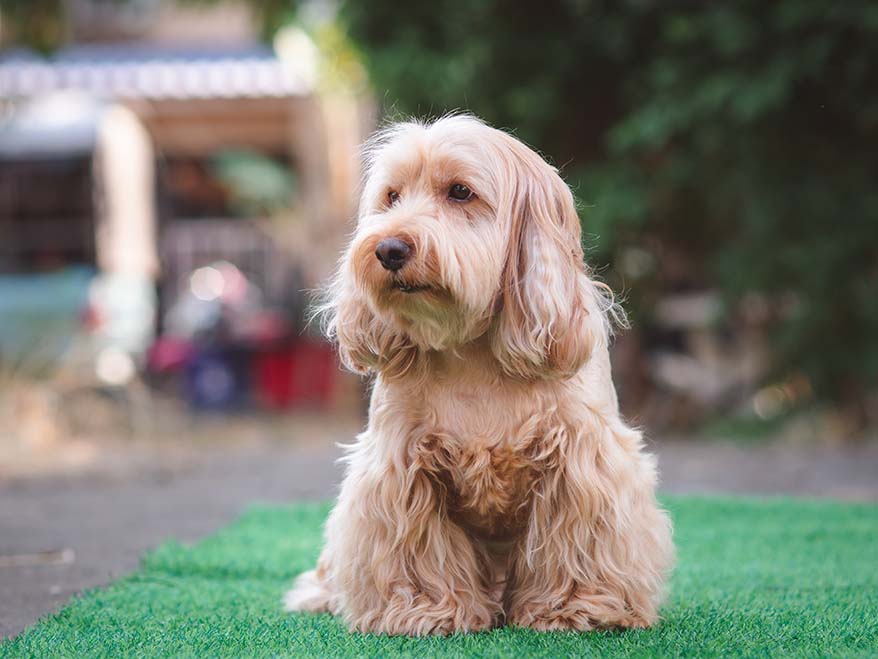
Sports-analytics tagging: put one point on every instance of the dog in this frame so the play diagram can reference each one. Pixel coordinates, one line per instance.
(495, 482)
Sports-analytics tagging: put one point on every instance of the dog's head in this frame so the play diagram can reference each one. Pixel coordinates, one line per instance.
(464, 232)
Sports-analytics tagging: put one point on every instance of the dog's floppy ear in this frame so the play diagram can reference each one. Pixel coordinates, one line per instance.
(550, 315)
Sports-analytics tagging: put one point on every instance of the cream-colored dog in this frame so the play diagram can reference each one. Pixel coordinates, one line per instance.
(496, 480)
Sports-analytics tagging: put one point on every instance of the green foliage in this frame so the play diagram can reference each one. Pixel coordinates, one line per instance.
(732, 143)
(258, 185)
(39, 24)
(756, 578)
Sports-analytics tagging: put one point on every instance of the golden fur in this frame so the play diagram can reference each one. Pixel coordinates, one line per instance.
(495, 480)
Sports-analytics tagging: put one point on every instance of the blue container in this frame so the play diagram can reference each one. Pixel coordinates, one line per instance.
(216, 379)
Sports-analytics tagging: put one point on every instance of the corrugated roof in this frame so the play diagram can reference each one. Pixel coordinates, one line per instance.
(134, 72)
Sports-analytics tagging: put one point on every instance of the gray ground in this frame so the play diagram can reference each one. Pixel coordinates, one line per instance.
(106, 518)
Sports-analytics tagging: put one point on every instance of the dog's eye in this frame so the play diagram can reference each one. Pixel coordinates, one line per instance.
(392, 197)
(459, 192)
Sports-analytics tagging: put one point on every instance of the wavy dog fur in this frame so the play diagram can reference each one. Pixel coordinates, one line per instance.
(496, 481)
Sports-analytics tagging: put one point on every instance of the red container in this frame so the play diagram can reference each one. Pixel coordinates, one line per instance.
(301, 374)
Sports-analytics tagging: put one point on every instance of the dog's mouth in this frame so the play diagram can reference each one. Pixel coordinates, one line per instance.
(408, 287)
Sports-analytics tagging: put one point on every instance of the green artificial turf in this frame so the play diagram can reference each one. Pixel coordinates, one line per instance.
(755, 578)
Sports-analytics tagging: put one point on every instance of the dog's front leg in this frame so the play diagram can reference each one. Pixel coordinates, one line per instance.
(597, 546)
(394, 563)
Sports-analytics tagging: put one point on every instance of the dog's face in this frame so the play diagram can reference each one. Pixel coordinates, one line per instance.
(462, 231)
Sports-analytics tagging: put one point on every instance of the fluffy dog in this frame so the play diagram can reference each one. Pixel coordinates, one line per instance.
(495, 480)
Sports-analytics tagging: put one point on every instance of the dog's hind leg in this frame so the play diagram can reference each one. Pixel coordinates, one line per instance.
(309, 593)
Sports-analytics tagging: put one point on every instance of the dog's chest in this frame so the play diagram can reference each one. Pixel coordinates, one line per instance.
(482, 462)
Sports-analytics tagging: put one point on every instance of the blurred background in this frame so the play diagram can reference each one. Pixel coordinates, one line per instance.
(176, 176)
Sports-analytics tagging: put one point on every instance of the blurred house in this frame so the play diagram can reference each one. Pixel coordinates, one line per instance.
(163, 149)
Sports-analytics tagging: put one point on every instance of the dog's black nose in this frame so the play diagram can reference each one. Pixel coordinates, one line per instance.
(393, 253)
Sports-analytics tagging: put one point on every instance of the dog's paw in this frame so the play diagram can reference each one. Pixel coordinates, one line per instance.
(419, 617)
(429, 624)
(307, 594)
(579, 613)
